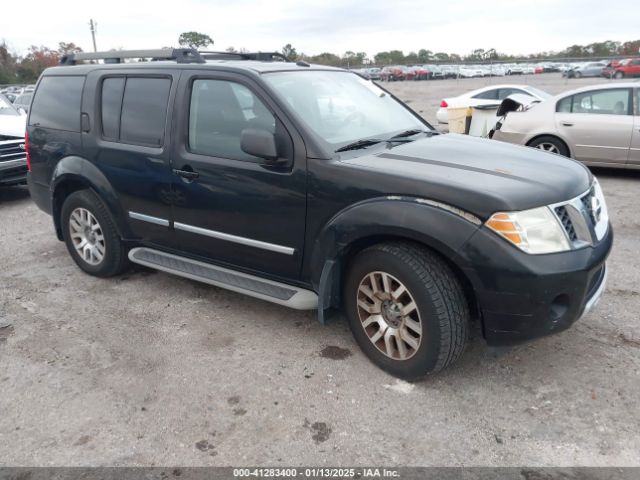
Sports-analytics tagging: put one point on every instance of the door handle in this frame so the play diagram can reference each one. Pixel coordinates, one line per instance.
(567, 124)
(186, 174)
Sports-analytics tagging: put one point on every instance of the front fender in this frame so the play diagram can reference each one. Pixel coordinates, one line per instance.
(440, 227)
(74, 170)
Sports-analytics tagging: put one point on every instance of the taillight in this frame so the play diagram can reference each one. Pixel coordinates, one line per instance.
(443, 104)
(26, 149)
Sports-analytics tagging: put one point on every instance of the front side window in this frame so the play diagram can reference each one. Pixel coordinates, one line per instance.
(219, 111)
(57, 103)
(341, 107)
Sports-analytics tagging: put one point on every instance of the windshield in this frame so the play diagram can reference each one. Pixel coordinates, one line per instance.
(340, 107)
(6, 108)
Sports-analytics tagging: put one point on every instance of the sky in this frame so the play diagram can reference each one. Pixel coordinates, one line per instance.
(316, 26)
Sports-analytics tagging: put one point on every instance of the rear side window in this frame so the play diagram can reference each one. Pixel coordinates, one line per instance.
(488, 95)
(134, 109)
(57, 103)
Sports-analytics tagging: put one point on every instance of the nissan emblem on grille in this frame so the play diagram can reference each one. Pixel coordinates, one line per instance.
(596, 209)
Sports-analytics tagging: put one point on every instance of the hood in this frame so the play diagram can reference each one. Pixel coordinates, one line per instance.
(478, 175)
(13, 125)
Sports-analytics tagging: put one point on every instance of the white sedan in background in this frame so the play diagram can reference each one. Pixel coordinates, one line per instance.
(492, 94)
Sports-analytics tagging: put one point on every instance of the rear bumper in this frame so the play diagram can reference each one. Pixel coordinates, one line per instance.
(522, 297)
(13, 172)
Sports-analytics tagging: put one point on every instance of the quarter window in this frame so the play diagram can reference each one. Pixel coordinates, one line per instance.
(57, 103)
(219, 111)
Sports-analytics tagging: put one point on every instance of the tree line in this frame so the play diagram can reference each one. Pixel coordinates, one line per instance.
(27, 68)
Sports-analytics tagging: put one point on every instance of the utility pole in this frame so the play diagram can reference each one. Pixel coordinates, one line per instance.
(93, 25)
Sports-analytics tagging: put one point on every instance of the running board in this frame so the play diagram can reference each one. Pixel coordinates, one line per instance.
(251, 285)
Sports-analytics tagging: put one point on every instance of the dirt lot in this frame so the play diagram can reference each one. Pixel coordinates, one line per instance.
(151, 369)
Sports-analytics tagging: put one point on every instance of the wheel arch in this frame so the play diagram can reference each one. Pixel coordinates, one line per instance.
(76, 173)
(372, 222)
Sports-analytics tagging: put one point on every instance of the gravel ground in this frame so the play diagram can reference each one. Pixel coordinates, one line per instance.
(152, 369)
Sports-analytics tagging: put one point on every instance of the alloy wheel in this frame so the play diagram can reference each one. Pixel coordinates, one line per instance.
(389, 315)
(548, 147)
(87, 236)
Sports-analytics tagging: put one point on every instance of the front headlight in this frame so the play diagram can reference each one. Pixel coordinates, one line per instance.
(533, 231)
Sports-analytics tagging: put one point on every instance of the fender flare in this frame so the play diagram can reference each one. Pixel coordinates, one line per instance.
(441, 227)
(79, 170)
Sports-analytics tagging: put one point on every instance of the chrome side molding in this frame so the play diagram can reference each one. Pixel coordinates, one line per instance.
(148, 218)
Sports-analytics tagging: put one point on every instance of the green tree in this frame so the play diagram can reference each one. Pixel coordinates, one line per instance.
(630, 48)
(68, 48)
(290, 52)
(35, 62)
(8, 65)
(194, 39)
(424, 56)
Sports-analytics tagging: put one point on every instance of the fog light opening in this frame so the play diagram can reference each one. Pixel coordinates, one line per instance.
(559, 307)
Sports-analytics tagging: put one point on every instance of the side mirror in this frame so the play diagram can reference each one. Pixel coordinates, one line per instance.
(22, 111)
(259, 143)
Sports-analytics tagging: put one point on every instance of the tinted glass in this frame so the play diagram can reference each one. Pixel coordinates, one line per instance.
(57, 103)
(144, 111)
(111, 105)
(488, 95)
(604, 102)
(219, 111)
(505, 92)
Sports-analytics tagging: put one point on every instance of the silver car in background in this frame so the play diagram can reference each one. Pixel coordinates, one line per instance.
(597, 125)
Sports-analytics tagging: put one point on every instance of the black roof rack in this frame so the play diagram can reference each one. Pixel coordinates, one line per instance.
(261, 56)
(180, 55)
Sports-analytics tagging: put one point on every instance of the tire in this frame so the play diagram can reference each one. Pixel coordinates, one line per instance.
(550, 144)
(104, 253)
(578, 75)
(619, 75)
(438, 325)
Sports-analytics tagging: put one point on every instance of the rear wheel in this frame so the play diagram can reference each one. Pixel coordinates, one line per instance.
(90, 235)
(550, 144)
(406, 309)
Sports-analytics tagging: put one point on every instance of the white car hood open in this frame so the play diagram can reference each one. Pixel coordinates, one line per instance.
(13, 125)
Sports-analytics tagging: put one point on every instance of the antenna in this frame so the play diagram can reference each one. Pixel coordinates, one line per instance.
(93, 27)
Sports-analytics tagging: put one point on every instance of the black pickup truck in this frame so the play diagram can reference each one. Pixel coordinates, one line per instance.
(314, 188)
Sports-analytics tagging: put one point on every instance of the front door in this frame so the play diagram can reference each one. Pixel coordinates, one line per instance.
(598, 123)
(231, 207)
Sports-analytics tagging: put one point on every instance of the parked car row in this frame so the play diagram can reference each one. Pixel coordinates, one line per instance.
(626, 68)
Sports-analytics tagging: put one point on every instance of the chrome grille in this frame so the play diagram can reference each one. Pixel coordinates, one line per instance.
(564, 218)
(12, 150)
(585, 218)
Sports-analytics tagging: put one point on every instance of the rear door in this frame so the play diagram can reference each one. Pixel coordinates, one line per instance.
(240, 210)
(126, 134)
(598, 124)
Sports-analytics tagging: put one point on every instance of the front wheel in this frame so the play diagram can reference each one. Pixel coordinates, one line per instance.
(406, 309)
(91, 236)
(619, 75)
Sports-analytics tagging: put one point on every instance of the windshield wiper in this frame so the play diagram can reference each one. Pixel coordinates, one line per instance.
(358, 144)
(409, 133)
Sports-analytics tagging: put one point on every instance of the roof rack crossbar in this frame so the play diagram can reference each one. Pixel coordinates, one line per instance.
(262, 56)
(180, 55)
